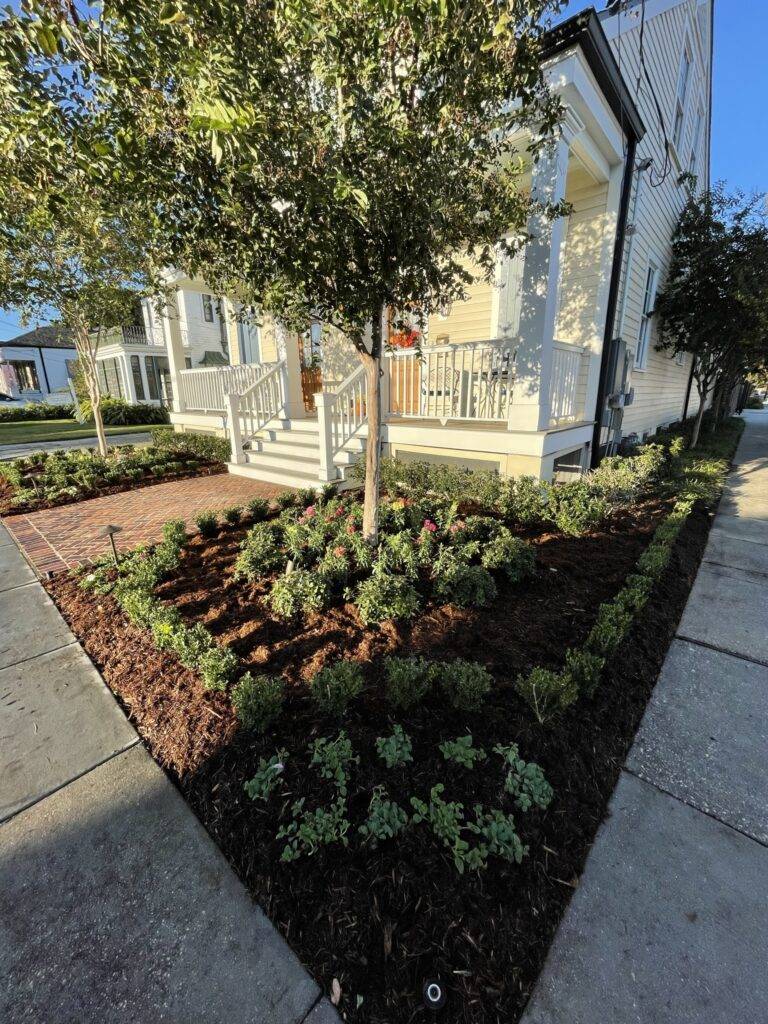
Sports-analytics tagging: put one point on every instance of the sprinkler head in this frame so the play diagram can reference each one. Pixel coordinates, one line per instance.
(433, 994)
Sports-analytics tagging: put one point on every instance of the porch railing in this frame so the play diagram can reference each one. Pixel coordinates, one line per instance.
(471, 381)
(204, 388)
(251, 410)
(341, 414)
(567, 385)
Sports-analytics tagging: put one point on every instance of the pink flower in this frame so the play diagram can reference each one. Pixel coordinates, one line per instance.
(339, 512)
(309, 511)
(351, 528)
(429, 525)
(455, 527)
(340, 551)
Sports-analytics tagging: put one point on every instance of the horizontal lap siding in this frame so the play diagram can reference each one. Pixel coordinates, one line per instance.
(580, 276)
(469, 320)
(660, 389)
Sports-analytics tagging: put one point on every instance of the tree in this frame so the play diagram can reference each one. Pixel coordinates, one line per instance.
(320, 159)
(715, 300)
(72, 257)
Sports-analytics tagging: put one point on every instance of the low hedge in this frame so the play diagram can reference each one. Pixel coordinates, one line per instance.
(116, 412)
(36, 411)
(207, 446)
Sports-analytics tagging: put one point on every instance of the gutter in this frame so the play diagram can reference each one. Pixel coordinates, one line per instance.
(613, 296)
(45, 372)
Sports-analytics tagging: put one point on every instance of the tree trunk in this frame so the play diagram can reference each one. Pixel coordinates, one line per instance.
(699, 417)
(372, 363)
(86, 352)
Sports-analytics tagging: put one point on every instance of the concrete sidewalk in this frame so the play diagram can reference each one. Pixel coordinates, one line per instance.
(17, 451)
(669, 924)
(115, 905)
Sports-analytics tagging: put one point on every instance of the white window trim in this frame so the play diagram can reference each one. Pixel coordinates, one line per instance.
(203, 303)
(681, 102)
(646, 317)
(693, 159)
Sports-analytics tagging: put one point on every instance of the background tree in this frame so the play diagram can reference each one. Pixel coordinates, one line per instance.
(715, 300)
(315, 157)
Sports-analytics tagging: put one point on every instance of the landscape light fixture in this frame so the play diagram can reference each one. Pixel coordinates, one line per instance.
(110, 531)
(433, 994)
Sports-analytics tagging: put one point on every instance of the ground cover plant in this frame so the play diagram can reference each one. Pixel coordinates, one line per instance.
(388, 791)
(48, 479)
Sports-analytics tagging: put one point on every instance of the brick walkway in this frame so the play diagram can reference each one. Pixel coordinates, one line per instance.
(61, 538)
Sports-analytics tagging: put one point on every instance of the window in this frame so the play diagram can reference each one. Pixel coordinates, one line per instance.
(683, 82)
(649, 298)
(696, 142)
(680, 358)
(138, 383)
(207, 301)
(26, 374)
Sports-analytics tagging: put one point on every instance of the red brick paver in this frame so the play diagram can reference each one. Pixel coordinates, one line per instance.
(60, 538)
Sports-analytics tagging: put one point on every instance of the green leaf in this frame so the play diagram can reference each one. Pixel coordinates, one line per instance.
(170, 14)
(46, 37)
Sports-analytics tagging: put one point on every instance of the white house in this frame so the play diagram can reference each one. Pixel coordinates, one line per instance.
(547, 367)
(35, 366)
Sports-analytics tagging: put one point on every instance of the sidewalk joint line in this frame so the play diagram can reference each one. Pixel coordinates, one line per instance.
(40, 654)
(721, 650)
(694, 807)
(75, 778)
(312, 1007)
(737, 568)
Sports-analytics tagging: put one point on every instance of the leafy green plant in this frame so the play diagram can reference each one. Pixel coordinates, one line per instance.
(455, 582)
(498, 838)
(286, 499)
(547, 693)
(465, 684)
(299, 591)
(585, 668)
(267, 777)
(233, 515)
(259, 553)
(332, 758)
(525, 780)
(385, 820)
(333, 687)
(383, 597)
(258, 509)
(510, 554)
(396, 749)
(611, 626)
(258, 700)
(524, 500)
(205, 446)
(462, 752)
(207, 523)
(217, 666)
(445, 818)
(311, 830)
(575, 509)
(407, 681)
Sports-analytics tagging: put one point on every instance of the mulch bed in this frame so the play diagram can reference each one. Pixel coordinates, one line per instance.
(383, 921)
(7, 490)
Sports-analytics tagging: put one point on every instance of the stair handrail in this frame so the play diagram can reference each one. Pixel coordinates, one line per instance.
(249, 411)
(341, 414)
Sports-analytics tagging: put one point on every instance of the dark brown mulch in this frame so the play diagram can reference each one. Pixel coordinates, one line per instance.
(382, 921)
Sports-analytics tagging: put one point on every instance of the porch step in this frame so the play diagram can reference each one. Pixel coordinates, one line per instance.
(283, 477)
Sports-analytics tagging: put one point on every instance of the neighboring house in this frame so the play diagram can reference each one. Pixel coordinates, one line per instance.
(35, 366)
(546, 368)
(132, 362)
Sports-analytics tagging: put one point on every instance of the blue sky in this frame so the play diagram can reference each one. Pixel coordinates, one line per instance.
(739, 115)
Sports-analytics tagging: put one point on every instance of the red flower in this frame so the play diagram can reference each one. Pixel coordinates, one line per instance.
(430, 526)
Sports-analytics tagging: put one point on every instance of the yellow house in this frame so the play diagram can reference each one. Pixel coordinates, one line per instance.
(540, 370)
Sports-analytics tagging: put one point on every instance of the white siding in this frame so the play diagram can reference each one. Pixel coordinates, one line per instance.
(55, 360)
(660, 388)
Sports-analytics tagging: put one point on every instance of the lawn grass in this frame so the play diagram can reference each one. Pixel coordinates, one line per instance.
(32, 431)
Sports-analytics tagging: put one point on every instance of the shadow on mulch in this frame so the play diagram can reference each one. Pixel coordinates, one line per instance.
(382, 921)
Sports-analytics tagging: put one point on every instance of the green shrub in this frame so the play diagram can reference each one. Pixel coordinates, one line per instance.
(35, 411)
(446, 821)
(305, 497)
(655, 559)
(265, 781)
(259, 553)
(205, 446)
(385, 820)
(299, 591)
(286, 499)
(498, 838)
(116, 412)
(310, 830)
(585, 668)
(462, 752)
(547, 693)
(510, 554)
(333, 687)
(394, 750)
(207, 523)
(383, 597)
(258, 509)
(468, 586)
(332, 758)
(190, 644)
(575, 510)
(465, 684)
(258, 700)
(175, 532)
(217, 666)
(233, 515)
(524, 500)
(408, 681)
(611, 626)
(525, 780)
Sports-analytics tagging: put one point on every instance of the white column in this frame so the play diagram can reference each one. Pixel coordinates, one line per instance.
(174, 345)
(539, 292)
(232, 401)
(324, 404)
(230, 326)
(288, 349)
(130, 389)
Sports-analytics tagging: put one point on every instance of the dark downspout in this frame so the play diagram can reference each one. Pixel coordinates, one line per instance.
(613, 296)
(45, 372)
(688, 390)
